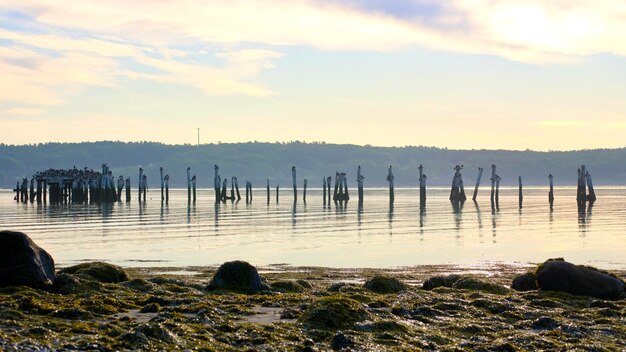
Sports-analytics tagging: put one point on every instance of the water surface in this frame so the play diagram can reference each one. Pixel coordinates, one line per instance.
(173, 235)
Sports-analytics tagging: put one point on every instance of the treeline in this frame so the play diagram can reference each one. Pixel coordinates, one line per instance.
(257, 161)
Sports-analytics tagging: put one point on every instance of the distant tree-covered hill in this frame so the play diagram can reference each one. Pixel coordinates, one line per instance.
(258, 161)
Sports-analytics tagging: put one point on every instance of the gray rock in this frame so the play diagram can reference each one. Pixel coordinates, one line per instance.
(22, 262)
(525, 282)
(237, 276)
(559, 275)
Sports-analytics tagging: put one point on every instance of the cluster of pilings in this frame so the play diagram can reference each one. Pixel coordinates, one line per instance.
(80, 186)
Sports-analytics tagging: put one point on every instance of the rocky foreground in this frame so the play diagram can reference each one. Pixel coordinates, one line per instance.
(96, 306)
(102, 307)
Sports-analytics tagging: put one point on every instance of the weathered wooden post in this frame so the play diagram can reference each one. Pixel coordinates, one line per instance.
(551, 192)
(120, 187)
(224, 187)
(498, 192)
(128, 189)
(336, 192)
(346, 195)
(592, 194)
(455, 195)
(45, 191)
(328, 181)
(520, 194)
(140, 184)
(144, 184)
(216, 183)
(193, 185)
(480, 175)
(276, 194)
(237, 189)
(359, 180)
(493, 186)
(39, 183)
(247, 193)
(232, 188)
(268, 191)
(390, 179)
(295, 189)
(31, 197)
(304, 191)
(324, 189)
(422, 180)
(167, 188)
(162, 184)
(341, 195)
(250, 187)
(188, 184)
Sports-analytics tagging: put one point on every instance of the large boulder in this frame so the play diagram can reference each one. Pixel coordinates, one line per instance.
(23, 263)
(238, 276)
(559, 275)
(333, 312)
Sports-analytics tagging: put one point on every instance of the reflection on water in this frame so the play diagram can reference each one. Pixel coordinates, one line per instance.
(374, 234)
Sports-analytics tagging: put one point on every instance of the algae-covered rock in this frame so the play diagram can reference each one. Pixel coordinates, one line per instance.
(334, 312)
(98, 271)
(69, 284)
(289, 286)
(340, 342)
(525, 282)
(23, 263)
(237, 276)
(384, 284)
(343, 287)
(440, 281)
(559, 275)
(470, 283)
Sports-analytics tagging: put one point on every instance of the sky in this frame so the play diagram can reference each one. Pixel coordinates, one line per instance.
(470, 74)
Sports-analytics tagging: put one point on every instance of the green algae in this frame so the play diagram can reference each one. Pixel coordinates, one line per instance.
(384, 284)
(98, 271)
(333, 312)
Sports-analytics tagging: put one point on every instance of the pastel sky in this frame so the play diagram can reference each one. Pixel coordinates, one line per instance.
(510, 74)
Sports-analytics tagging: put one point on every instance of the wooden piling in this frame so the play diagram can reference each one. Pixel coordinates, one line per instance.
(551, 192)
(346, 195)
(120, 187)
(422, 180)
(188, 185)
(324, 189)
(216, 183)
(162, 184)
(232, 188)
(144, 185)
(498, 192)
(304, 191)
(237, 189)
(140, 183)
(462, 196)
(224, 188)
(390, 179)
(31, 197)
(45, 191)
(247, 193)
(39, 190)
(167, 188)
(295, 188)
(336, 192)
(268, 191)
(520, 194)
(493, 187)
(592, 194)
(276, 194)
(328, 181)
(193, 185)
(359, 181)
(341, 195)
(127, 189)
(250, 187)
(480, 175)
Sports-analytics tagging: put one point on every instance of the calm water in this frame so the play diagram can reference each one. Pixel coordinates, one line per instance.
(178, 235)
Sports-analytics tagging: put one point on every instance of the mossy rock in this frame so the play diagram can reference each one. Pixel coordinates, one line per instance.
(67, 284)
(140, 285)
(98, 271)
(384, 284)
(289, 286)
(440, 281)
(525, 282)
(470, 283)
(238, 276)
(344, 287)
(333, 312)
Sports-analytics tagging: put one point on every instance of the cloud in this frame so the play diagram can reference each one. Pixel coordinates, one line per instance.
(23, 111)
